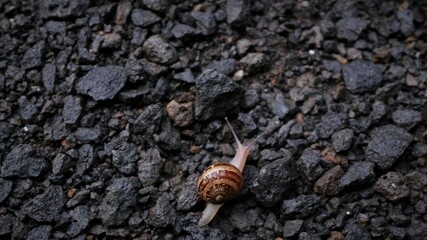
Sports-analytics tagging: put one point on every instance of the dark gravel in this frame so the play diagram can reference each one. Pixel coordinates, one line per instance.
(102, 82)
(72, 109)
(387, 145)
(361, 76)
(216, 93)
(300, 207)
(144, 18)
(159, 50)
(282, 173)
(120, 199)
(23, 161)
(392, 185)
(342, 139)
(358, 175)
(5, 188)
(327, 184)
(149, 167)
(292, 227)
(79, 220)
(46, 207)
(42, 232)
(110, 110)
(407, 118)
(310, 164)
(162, 214)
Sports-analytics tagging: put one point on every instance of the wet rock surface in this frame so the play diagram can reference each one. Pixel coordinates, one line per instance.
(110, 110)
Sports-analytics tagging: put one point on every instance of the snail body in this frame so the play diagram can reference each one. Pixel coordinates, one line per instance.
(221, 182)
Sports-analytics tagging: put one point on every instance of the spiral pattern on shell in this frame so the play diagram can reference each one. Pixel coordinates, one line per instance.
(219, 183)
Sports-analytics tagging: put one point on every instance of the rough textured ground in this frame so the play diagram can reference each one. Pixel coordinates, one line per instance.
(110, 110)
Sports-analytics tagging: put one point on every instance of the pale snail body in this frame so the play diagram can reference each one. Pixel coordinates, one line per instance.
(221, 182)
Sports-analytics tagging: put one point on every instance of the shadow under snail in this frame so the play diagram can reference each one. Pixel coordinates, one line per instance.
(221, 182)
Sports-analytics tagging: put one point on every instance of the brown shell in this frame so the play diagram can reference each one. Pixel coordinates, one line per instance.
(219, 183)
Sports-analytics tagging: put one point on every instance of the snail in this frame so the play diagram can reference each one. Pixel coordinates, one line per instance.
(221, 182)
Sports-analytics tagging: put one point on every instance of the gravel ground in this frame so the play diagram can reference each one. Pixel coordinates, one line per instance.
(110, 110)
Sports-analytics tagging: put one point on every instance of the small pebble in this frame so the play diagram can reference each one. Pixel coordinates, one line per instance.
(387, 144)
(342, 140)
(392, 185)
(406, 118)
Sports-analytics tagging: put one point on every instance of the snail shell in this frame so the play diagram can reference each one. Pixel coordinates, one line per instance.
(219, 183)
